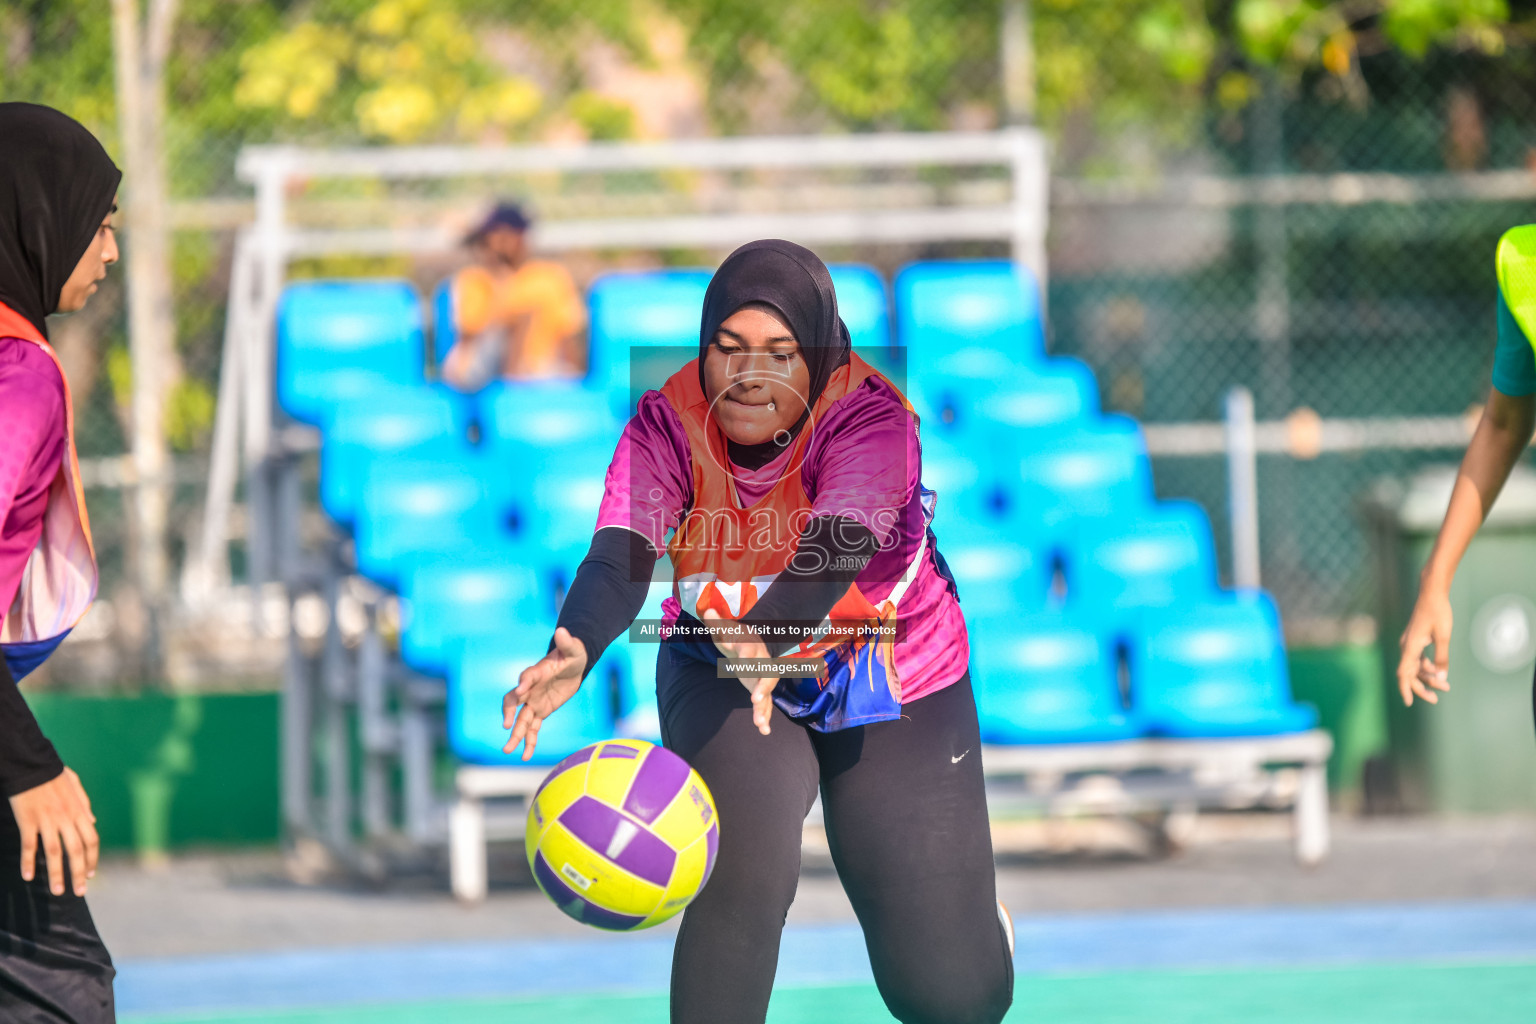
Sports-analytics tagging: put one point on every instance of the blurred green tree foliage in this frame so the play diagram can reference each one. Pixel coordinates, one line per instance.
(417, 70)
(399, 71)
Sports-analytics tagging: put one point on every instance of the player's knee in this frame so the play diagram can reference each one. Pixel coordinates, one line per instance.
(752, 889)
(941, 1002)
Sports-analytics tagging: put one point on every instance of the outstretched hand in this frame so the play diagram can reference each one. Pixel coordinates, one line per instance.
(738, 641)
(541, 688)
(59, 812)
(1417, 673)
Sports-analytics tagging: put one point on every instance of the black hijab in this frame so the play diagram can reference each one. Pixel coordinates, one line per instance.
(56, 186)
(792, 280)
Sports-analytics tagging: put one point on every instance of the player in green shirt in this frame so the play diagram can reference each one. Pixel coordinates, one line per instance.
(1508, 421)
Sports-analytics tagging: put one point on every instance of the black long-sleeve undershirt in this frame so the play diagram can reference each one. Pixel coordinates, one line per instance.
(611, 583)
(833, 551)
(27, 759)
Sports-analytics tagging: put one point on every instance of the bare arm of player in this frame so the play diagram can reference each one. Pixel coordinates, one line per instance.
(541, 689)
(59, 812)
(1501, 436)
(737, 640)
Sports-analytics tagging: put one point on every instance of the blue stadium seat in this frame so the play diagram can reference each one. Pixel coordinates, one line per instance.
(551, 499)
(565, 490)
(1062, 392)
(548, 415)
(334, 337)
(1163, 557)
(961, 371)
(1056, 394)
(475, 592)
(862, 304)
(1215, 669)
(1071, 474)
(959, 316)
(445, 331)
(639, 716)
(651, 309)
(994, 573)
(530, 428)
(422, 420)
(966, 480)
(480, 677)
(1045, 679)
(413, 509)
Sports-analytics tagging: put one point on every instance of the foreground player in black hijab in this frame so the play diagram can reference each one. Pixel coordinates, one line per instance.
(57, 192)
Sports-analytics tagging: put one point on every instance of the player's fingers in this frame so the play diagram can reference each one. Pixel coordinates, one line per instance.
(511, 702)
(74, 849)
(53, 850)
(1405, 674)
(1434, 675)
(92, 841)
(539, 672)
(1423, 692)
(762, 704)
(1413, 642)
(531, 738)
(28, 847)
(1442, 656)
(520, 726)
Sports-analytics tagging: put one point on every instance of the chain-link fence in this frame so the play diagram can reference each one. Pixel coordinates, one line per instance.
(1349, 272)
(1201, 236)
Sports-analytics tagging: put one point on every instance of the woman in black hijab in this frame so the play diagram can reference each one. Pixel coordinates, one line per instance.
(786, 471)
(57, 186)
(57, 195)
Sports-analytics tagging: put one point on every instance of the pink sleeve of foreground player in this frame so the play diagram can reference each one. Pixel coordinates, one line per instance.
(32, 442)
(650, 480)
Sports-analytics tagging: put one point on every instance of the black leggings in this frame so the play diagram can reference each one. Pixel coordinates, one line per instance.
(906, 820)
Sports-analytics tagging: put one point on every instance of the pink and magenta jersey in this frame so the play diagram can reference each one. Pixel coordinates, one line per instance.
(862, 461)
(32, 442)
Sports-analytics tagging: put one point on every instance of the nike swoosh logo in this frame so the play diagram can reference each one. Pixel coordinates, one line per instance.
(957, 760)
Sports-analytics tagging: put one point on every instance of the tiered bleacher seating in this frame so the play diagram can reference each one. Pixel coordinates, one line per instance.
(632, 314)
(339, 339)
(1094, 609)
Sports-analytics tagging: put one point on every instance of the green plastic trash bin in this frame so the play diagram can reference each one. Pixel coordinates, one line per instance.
(1474, 752)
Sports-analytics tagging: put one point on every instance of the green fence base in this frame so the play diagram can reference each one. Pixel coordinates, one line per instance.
(165, 771)
(1344, 684)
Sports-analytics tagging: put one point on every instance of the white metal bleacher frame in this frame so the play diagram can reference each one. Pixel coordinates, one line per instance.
(247, 438)
(1123, 777)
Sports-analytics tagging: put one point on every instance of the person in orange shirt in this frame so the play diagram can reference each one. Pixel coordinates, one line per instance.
(515, 317)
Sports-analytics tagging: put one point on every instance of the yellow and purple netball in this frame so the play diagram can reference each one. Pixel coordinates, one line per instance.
(622, 835)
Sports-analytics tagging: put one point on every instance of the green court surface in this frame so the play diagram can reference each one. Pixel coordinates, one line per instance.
(1378, 994)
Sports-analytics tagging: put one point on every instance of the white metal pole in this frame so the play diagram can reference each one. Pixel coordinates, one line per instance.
(271, 213)
(1243, 488)
(1031, 203)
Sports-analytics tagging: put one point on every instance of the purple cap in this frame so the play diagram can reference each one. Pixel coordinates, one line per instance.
(505, 215)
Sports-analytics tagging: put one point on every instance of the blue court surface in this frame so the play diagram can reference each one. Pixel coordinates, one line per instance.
(1473, 962)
